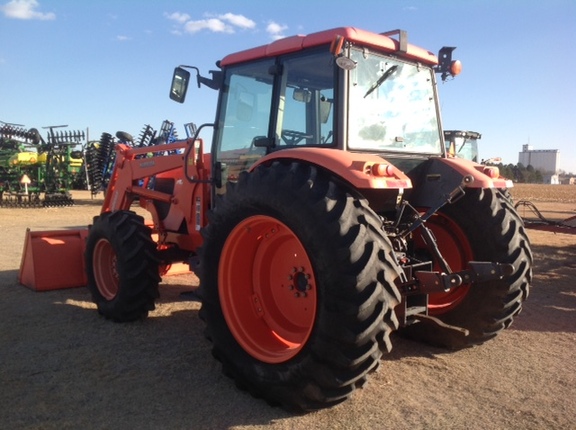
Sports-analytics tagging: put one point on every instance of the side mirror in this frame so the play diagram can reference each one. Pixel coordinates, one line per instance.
(180, 81)
(325, 108)
(262, 142)
(302, 95)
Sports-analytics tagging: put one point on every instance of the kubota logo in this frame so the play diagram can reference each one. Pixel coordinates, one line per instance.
(150, 163)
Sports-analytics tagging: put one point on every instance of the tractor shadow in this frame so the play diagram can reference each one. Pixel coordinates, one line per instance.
(551, 305)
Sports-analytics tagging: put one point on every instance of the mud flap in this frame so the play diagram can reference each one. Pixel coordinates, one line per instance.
(53, 260)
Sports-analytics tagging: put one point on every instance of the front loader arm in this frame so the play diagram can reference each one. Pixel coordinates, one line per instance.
(133, 165)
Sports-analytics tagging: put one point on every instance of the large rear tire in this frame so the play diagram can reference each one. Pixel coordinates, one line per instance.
(298, 286)
(122, 266)
(482, 226)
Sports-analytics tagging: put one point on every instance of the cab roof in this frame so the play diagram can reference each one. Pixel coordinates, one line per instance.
(379, 42)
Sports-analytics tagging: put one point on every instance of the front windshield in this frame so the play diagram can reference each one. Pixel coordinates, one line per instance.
(391, 106)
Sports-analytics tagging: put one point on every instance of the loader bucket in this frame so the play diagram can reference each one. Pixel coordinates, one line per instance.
(53, 260)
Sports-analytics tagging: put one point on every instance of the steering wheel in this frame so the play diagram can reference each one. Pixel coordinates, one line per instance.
(293, 137)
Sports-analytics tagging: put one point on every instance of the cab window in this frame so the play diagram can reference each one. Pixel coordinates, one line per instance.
(305, 111)
(246, 103)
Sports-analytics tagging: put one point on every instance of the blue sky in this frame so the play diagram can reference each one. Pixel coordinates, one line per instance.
(106, 65)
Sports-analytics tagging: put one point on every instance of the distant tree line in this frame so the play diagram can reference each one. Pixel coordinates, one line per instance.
(524, 174)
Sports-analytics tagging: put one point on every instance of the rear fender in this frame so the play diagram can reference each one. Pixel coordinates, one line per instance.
(362, 171)
(484, 176)
(438, 177)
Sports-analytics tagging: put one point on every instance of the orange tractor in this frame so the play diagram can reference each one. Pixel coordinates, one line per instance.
(325, 216)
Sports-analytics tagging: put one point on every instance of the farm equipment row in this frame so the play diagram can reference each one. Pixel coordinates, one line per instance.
(326, 216)
(35, 172)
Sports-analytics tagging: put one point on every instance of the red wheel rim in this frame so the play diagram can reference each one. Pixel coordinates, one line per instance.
(456, 249)
(104, 266)
(267, 289)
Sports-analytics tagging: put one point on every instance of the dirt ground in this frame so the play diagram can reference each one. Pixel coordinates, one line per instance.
(64, 367)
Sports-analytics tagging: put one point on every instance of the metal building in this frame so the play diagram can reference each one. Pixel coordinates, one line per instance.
(545, 160)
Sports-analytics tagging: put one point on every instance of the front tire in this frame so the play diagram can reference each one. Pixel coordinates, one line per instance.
(482, 226)
(122, 266)
(297, 280)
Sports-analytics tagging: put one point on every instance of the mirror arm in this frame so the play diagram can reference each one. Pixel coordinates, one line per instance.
(215, 82)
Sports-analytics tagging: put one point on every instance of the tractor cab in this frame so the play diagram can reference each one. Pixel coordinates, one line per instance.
(341, 89)
(462, 144)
